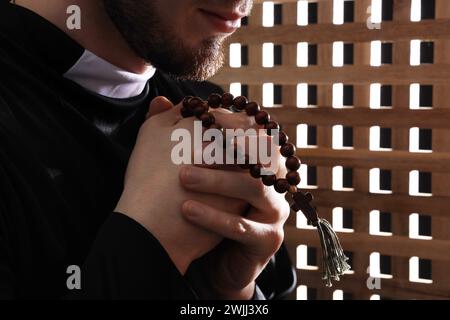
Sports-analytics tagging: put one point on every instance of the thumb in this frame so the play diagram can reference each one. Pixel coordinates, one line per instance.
(159, 105)
(164, 109)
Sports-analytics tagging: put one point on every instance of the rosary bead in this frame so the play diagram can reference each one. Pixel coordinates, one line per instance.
(227, 100)
(293, 178)
(287, 150)
(293, 163)
(186, 113)
(281, 186)
(199, 110)
(272, 125)
(194, 103)
(282, 139)
(262, 118)
(255, 171)
(215, 100)
(252, 108)
(269, 180)
(240, 103)
(293, 189)
(207, 119)
(186, 101)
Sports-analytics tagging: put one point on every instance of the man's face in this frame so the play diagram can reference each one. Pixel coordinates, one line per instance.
(182, 37)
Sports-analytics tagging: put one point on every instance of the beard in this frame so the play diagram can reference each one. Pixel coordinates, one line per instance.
(152, 39)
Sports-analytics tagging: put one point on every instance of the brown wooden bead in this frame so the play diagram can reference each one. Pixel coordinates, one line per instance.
(194, 103)
(293, 178)
(281, 186)
(215, 100)
(240, 103)
(293, 189)
(227, 100)
(186, 112)
(287, 150)
(186, 101)
(252, 108)
(262, 118)
(207, 119)
(281, 139)
(269, 180)
(199, 110)
(255, 171)
(293, 163)
(271, 127)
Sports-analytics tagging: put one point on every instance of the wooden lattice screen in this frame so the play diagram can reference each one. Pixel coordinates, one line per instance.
(404, 237)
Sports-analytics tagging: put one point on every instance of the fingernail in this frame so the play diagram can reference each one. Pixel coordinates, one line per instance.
(191, 175)
(192, 210)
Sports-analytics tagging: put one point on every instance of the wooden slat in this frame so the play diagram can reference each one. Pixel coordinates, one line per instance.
(390, 288)
(393, 160)
(392, 245)
(435, 206)
(395, 74)
(354, 32)
(441, 143)
(387, 118)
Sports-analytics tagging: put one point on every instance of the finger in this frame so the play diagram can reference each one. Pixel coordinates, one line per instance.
(238, 185)
(164, 110)
(258, 149)
(234, 120)
(231, 184)
(244, 150)
(227, 225)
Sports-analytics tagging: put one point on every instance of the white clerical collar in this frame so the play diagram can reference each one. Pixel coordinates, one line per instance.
(98, 75)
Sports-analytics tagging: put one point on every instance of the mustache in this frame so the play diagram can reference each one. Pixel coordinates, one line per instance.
(243, 7)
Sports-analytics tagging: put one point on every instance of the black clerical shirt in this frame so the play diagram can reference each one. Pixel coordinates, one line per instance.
(61, 175)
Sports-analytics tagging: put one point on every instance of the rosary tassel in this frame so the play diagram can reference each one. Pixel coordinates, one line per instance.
(334, 260)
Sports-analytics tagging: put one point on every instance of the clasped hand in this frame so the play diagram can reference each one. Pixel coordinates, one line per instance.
(191, 209)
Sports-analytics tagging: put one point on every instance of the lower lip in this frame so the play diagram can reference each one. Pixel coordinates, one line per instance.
(219, 24)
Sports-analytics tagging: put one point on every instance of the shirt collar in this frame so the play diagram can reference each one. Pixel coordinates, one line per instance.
(98, 75)
(52, 47)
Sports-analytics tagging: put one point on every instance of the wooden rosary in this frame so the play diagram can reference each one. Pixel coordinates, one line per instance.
(334, 259)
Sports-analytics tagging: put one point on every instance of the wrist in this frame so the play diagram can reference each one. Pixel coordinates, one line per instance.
(179, 257)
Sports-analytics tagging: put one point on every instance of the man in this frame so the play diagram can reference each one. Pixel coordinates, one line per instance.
(76, 117)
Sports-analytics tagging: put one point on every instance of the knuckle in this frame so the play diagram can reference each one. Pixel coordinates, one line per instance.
(237, 227)
(259, 189)
(243, 121)
(276, 237)
(247, 121)
(285, 212)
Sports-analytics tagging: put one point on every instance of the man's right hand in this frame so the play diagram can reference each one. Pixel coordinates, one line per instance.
(153, 195)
